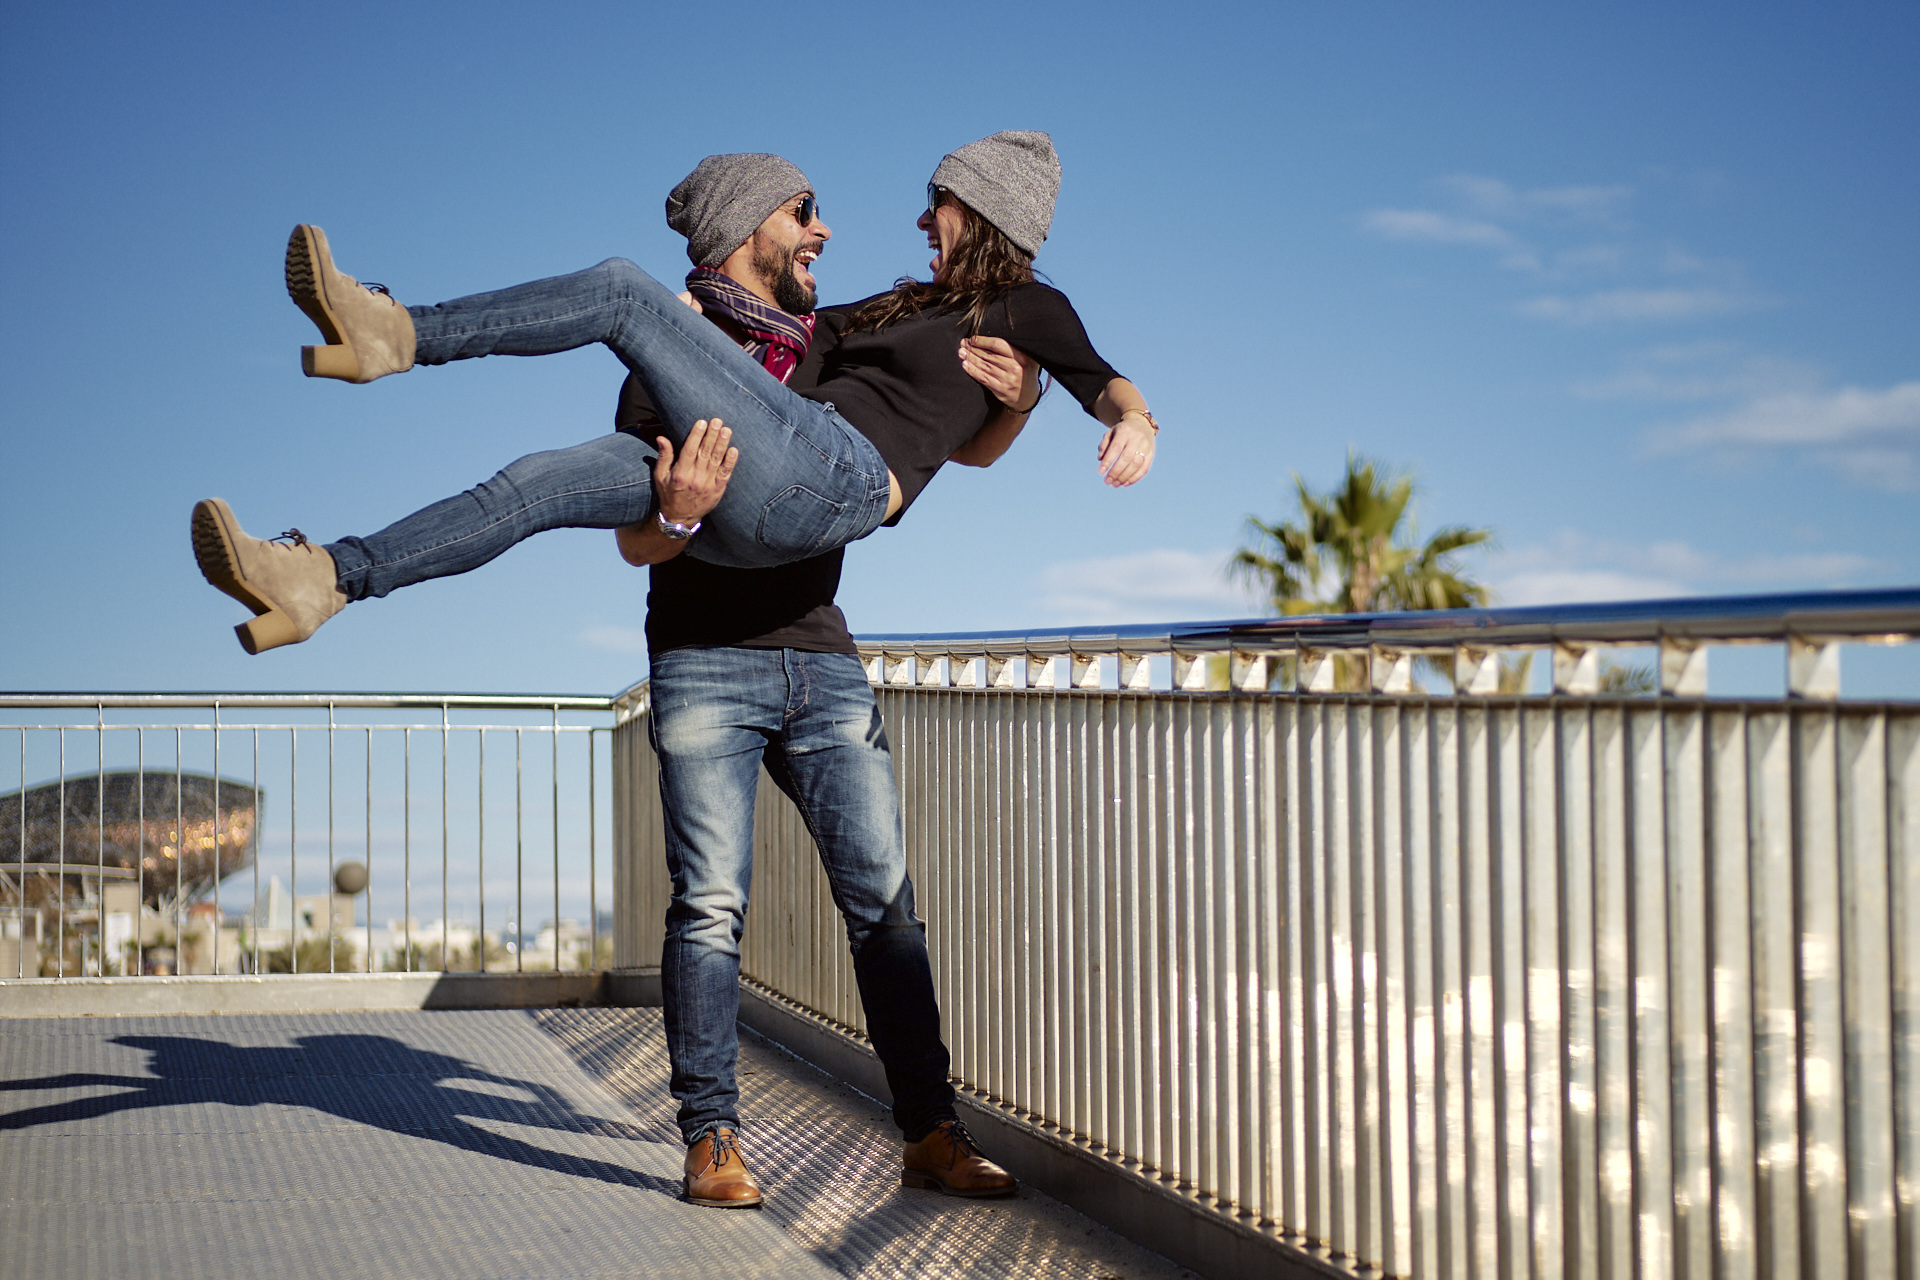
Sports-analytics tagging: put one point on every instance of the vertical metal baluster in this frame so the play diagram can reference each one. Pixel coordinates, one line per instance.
(21, 959)
(293, 850)
(60, 885)
(446, 957)
(179, 854)
(99, 838)
(406, 843)
(556, 837)
(140, 853)
(330, 823)
(480, 943)
(368, 797)
(253, 838)
(593, 835)
(519, 921)
(218, 918)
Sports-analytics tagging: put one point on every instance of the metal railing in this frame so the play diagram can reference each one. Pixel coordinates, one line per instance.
(173, 802)
(1443, 984)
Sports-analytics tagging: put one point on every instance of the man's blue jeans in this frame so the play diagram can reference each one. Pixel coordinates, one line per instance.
(716, 715)
(806, 481)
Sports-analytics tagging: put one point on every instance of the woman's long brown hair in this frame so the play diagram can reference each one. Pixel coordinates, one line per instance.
(982, 267)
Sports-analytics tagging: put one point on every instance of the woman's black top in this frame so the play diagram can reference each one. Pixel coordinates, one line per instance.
(904, 389)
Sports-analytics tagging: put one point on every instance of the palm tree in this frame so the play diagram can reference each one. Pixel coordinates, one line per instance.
(1352, 537)
(1349, 554)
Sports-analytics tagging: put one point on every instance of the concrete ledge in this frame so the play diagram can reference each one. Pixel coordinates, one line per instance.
(310, 993)
(633, 988)
(1157, 1214)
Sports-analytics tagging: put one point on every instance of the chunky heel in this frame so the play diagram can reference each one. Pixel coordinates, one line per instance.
(367, 334)
(330, 362)
(268, 631)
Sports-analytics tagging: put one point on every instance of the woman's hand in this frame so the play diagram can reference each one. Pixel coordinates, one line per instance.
(1011, 375)
(1126, 451)
(693, 302)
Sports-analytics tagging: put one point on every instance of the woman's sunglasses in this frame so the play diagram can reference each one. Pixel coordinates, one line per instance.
(934, 192)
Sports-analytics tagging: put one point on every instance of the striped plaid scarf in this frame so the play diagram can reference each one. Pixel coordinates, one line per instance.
(779, 339)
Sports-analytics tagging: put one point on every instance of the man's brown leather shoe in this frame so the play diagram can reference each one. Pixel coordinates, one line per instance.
(717, 1176)
(948, 1160)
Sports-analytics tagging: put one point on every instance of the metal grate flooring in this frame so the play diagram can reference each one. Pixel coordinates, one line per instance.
(472, 1144)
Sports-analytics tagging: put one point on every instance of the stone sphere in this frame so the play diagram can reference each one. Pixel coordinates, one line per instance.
(350, 877)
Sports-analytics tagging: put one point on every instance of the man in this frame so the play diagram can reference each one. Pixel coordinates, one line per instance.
(756, 666)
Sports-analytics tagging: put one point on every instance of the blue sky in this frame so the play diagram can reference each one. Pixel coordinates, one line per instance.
(1636, 286)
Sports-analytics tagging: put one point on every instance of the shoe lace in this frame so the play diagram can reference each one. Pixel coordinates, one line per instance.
(726, 1145)
(963, 1143)
(293, 536)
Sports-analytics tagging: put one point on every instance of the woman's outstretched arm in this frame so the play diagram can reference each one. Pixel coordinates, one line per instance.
(1126, 450)
(1013, 377)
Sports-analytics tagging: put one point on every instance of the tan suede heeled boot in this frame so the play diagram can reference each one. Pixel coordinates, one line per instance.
(368, 334)
(291, 584)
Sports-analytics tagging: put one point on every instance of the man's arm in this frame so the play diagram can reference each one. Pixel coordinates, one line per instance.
(1013, 377)
(683, 491)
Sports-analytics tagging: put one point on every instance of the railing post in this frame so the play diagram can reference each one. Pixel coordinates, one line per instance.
(1043, 670)
(1135, 674)
(1813, 668)
(1576, 669)
(1391, 670)
(1476, 671)
(1317, 671)
(1683, 668)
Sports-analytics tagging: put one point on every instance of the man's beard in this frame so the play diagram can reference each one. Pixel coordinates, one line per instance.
(789, 294)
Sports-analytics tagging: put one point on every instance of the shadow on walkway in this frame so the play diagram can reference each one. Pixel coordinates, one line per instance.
(371, 1080)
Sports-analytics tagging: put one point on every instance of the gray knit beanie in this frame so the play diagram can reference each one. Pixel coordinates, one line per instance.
(726, 198)
(1011, 179)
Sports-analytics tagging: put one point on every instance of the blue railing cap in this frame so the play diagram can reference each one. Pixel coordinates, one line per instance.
(1837, 614)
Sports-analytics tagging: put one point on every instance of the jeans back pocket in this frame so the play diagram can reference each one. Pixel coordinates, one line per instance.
(798, 522)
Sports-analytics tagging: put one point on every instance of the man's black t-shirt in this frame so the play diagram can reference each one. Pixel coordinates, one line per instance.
(904, 388)
(694, 604)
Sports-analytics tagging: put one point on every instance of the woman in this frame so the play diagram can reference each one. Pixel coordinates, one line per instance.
(816, 470)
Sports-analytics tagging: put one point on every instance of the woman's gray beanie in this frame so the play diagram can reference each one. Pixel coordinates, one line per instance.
(726, 198)
(1011, 179)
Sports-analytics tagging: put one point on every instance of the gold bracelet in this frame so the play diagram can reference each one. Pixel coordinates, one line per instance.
(1145, 414)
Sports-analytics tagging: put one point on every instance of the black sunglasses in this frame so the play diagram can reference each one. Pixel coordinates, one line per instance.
(807, 210)
(934, 192)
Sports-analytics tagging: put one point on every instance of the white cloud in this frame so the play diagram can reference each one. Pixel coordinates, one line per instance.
(1426, 226)
(615, 639)
(1147, 586)
(1636, 304)
(1575, 567)
(1700, 371)
(1495, 198)
(1871, 435)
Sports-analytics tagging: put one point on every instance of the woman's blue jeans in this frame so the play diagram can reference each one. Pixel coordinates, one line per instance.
(716, 716)
(806, 481)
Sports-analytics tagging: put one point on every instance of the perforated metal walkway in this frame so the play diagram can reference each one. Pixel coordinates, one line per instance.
(476, 1144)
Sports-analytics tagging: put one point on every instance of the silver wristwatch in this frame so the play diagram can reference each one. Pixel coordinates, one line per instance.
(673, 528)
